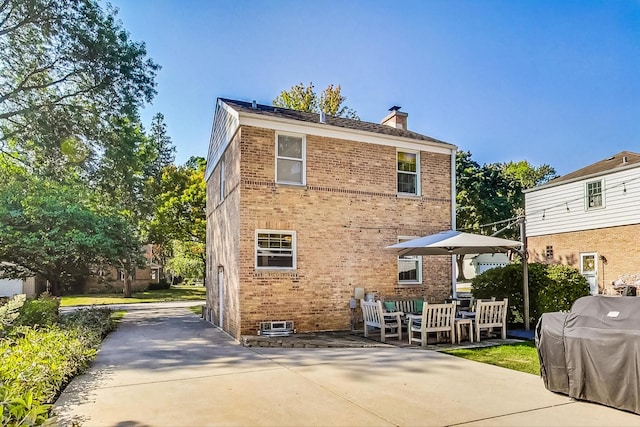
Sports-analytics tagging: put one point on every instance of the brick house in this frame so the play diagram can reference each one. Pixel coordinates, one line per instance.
(301, 205)
(112, 279)
(589, 219)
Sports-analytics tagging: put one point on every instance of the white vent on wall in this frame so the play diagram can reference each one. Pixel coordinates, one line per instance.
(282, 328)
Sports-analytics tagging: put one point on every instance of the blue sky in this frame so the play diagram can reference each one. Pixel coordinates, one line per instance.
(555, 82)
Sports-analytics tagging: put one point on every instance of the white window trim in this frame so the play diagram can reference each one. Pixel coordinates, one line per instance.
(586, 195)
(222, 179)
(417, 172)
(419, 259)
(304, 158)
(294, 249)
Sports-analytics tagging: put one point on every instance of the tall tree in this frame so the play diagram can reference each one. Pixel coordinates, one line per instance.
(304, 98)
(180, 213)
(67, 68)
(162, 151)
(71, 83)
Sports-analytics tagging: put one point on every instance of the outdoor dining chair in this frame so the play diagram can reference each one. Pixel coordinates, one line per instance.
(435, 318)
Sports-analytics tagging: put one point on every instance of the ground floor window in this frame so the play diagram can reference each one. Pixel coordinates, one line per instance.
(409, 266)
(275, 249)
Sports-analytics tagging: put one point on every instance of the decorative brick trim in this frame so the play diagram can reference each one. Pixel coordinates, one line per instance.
(272, 186)
(276, 275)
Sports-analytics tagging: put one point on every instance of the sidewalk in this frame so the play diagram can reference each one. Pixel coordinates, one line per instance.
(167, 367)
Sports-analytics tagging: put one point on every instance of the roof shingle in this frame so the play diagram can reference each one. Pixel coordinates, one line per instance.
(622, 159)
(284, 113)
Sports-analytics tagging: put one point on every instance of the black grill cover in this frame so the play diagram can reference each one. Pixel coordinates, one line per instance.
(593, 352)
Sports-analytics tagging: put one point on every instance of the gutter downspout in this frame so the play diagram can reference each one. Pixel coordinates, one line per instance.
(454, 286)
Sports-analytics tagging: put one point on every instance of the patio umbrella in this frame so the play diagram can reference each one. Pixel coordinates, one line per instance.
(453, 242)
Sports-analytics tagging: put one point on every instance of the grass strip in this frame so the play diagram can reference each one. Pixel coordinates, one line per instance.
(176, 293)
(521, 357)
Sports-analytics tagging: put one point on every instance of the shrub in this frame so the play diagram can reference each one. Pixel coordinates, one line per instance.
(38, 363)
(39, 312)
(566, 286)
(9, 312)
(551, 288)
(161, 285)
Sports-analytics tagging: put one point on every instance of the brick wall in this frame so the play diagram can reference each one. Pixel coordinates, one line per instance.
(619, 245)
(223, 225)
(344, 217)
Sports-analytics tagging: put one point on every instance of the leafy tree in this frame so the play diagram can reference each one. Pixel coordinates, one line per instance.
(130, 174)
(528, 175)
(67, 69)
(304, 98)
(180, 213)
(492, 192)
(299, 97)
(162, 152)
(58, 231)
(187, 259)
(331, 102)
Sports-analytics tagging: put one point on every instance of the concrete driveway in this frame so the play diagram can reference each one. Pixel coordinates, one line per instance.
(164, 366)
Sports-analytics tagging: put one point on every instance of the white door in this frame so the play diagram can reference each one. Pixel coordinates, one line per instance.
(589, 269)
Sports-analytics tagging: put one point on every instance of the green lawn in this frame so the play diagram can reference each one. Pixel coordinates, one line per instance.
(520, 357)
(176, 293)
(196, 309)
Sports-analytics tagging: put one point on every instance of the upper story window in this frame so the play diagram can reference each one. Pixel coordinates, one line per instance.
(409, 266)
(408, 172)
(594, 195)
(275, 249)
(290, 159)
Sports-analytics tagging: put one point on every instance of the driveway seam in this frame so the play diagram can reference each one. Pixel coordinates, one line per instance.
(510, 414)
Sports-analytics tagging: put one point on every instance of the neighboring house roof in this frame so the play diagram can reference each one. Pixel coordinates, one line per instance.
(624, 159)
(284, 113)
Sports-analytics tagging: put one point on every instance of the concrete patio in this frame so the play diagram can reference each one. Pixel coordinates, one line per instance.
(167, 367)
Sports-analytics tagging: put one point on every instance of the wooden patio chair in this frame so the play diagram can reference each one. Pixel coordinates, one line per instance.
(489, 315)
(435, 318)
(374, 316)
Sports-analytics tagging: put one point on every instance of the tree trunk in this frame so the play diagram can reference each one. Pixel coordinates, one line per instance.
(460, 264)
(127, 286)
(54, 288)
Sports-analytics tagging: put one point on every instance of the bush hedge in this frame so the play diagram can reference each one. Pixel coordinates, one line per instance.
(38, 362)
(161, 285)
(39, 312)
(551, 288)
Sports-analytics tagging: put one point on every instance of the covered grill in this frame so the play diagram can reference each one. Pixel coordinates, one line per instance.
(593, 352)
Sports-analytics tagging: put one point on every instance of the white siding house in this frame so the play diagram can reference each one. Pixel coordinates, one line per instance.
(589, 219)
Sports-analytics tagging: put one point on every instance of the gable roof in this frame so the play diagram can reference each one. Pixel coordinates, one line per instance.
(623, 159)
(285, 113)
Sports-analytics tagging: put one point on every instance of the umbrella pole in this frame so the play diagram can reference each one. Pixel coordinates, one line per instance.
(454, 283)
(525, 273)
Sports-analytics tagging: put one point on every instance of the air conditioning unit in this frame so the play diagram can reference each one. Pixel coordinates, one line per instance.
(282, 328)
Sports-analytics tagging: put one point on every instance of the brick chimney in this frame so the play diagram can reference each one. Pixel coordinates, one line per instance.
(396, 118)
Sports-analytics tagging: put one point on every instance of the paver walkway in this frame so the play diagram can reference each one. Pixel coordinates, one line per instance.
(167, 367)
